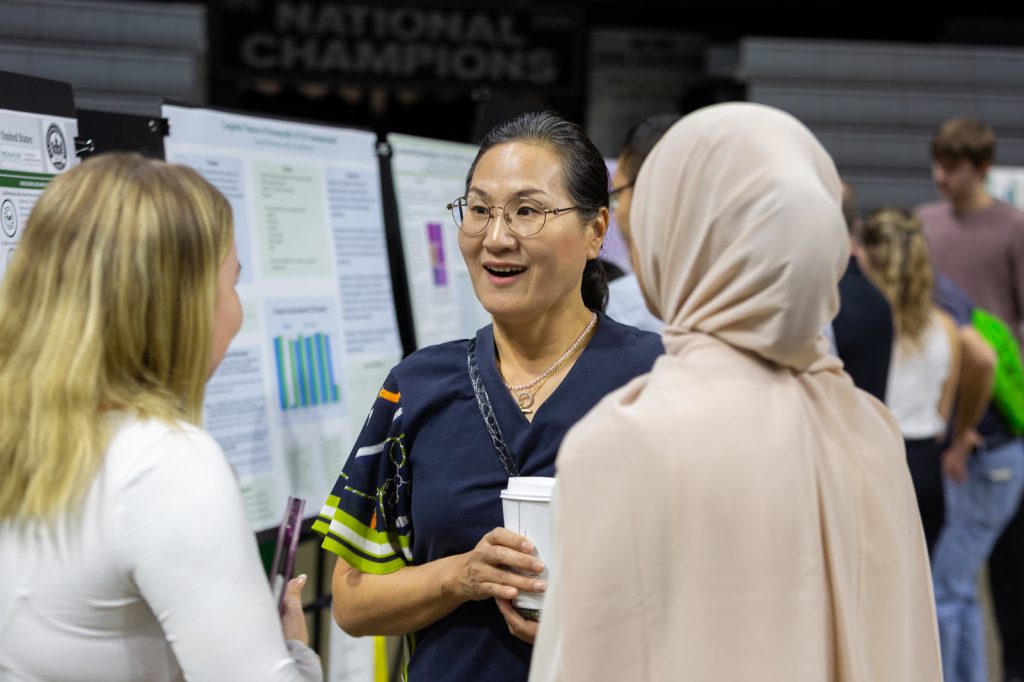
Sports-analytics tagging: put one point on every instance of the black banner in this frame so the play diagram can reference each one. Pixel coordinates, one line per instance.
(539, 49)
(36, 95)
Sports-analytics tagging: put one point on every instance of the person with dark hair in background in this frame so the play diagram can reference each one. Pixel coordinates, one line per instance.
(978, 242)
(415, 516)
(863, 328)
(625, 301)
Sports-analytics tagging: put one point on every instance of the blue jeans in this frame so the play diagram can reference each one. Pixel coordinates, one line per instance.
(976, 513)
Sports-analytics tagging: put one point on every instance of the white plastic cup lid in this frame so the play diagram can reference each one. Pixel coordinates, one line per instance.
(530, 488)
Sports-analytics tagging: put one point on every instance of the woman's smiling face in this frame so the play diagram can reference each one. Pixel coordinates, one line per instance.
(516, 277)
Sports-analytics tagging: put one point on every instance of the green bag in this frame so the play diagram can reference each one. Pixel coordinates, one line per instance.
(1008, 391)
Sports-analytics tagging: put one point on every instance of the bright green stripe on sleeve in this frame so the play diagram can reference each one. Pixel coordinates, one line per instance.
(365, 532)
(385, 550)
(360, 563)
(321, 526)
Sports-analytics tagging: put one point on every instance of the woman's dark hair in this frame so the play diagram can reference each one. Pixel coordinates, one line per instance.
(583, 171)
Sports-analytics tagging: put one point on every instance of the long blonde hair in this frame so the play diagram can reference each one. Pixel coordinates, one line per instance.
(900, 266)
(108, 304)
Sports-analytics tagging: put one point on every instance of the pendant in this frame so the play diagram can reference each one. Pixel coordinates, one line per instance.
(525, 401)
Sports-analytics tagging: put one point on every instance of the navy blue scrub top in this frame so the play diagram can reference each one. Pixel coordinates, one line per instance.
(423, 479)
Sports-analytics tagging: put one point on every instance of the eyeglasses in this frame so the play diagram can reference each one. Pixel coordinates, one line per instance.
(523, 215)
(613, 197)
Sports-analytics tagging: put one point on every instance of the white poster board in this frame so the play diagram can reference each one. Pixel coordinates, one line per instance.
(428, 174)
(1007, 183)
(33, 149)
(320, 332)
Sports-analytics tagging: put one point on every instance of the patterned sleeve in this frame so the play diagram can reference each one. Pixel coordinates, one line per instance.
(366, 520)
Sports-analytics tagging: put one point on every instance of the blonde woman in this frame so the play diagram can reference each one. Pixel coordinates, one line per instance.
(925, 364)
(124, 546)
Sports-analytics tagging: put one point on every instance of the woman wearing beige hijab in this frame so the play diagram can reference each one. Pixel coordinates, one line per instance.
(743, 512)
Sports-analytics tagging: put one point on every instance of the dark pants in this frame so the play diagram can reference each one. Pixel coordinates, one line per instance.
(1006, 576)
(924, 460)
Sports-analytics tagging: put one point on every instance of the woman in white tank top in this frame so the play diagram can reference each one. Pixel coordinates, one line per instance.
(925, 363)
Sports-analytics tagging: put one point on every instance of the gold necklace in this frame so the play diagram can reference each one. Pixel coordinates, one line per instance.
(524, 393)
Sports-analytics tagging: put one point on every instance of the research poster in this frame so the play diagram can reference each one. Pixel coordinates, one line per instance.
(34, 148)
(320, 331)
(428, 174)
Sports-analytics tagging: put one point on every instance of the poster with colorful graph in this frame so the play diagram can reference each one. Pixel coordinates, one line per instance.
(305, 342)
(428, 174)
(320, 331)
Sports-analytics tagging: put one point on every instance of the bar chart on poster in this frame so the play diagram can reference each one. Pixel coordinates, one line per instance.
(304, 375)
(304, 360)
(427, 175)
(320, 332)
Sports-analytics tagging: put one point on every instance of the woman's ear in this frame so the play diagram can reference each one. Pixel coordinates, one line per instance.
(598, 229)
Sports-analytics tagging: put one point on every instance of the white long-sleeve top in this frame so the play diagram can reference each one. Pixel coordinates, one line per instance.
(155, 577)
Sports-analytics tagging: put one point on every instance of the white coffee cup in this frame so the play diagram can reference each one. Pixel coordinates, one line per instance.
(526, 504)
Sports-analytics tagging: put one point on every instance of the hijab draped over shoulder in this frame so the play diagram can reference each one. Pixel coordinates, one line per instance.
(742, 512)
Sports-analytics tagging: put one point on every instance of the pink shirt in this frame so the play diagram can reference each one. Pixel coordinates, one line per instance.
(982, 251)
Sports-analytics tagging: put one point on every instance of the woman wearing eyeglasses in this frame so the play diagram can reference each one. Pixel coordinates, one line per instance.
(416, 516)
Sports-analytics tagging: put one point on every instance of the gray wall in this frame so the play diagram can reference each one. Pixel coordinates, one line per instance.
(875, 106)
(118, 56)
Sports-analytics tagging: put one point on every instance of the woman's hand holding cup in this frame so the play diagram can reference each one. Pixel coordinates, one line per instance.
(500, 566)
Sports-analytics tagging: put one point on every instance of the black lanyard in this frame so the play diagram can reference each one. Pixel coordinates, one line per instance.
(483, 401)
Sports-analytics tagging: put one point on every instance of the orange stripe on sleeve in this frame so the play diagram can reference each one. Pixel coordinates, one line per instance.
(389, 396)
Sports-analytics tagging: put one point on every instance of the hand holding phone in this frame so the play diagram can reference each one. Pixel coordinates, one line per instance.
(284, 553)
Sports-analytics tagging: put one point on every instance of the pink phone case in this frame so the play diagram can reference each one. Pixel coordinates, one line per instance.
(284, 554)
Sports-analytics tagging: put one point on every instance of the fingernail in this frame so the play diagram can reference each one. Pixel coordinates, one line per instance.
(527, 546)
(538, 567)
(540, 586)
(301, 580)
(510, 593)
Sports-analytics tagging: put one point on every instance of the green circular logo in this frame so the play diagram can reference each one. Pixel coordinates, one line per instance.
(9, 217)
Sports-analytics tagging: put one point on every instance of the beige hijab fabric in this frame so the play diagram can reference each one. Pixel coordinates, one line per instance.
(742, 512)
